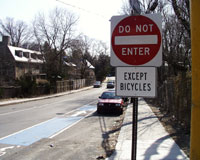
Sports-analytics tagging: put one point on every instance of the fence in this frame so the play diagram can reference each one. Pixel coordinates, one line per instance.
(61, 86)
(174, 97)
(66, 85)
(9, 91)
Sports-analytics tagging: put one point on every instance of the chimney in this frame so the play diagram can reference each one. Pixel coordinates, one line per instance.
(6, 40)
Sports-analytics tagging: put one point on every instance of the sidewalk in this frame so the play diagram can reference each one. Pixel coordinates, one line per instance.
(153, 142)
(21, 100)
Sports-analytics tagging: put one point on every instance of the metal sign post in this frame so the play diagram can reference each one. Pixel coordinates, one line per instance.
(134, 128)
(135, 6)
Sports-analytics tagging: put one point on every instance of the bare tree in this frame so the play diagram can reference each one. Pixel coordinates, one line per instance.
(126, 8)
(146, 6)
(80, 54)
(55, 30)
(176, 36)
(101, 60)
(17, 30)
(99, 47)
(182, 11)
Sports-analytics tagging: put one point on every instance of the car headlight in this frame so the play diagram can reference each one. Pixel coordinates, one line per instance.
(118, 104)
(101, 104)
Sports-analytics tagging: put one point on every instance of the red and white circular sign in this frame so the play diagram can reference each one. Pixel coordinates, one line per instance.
(136, 40)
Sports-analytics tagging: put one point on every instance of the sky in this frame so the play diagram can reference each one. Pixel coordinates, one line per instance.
(94, 15)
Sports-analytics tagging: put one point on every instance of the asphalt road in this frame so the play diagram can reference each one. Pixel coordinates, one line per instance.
(65, 128)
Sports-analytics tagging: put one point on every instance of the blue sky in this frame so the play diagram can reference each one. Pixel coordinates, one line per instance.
(94, 15)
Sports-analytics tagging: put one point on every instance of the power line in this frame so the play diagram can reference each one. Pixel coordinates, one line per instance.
(85, 10)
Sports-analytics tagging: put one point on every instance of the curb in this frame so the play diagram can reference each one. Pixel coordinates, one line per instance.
(23, 100)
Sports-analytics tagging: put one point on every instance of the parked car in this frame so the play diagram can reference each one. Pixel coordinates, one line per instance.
(110, 84)
(97, 84)
(109, 102)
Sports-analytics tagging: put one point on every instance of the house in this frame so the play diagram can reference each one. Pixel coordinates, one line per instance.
(90, 70)
(75, 71)
(70, 70)
(16, 61)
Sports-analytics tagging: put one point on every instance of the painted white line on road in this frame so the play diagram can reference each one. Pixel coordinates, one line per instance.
(79, 113)
(71, 125)
(24, 129)
(77, 121)
(65, 128)
(3, 150)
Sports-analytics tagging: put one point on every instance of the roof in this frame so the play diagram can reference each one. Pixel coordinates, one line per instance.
(69, 64)
(22, 58)
(89, 65)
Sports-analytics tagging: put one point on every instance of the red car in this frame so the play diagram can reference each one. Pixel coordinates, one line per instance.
(109, 102)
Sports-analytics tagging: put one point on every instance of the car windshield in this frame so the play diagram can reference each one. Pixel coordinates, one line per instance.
(97, 82)
(109, 95)
(110, 82)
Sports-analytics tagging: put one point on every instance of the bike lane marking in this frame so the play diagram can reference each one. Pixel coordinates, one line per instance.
(49, 128)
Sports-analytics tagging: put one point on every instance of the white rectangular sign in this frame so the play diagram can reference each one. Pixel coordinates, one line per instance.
(136, 81)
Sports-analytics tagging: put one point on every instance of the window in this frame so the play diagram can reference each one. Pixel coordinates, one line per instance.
(40, 56)
(18, 53)
(26, 54)
(33, 55)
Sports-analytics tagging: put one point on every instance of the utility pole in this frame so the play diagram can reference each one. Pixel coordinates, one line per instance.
(195, 115)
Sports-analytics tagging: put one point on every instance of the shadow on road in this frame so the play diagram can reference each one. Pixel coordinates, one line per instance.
(109, 134)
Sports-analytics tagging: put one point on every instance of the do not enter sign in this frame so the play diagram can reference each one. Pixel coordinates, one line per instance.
(136, 40)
